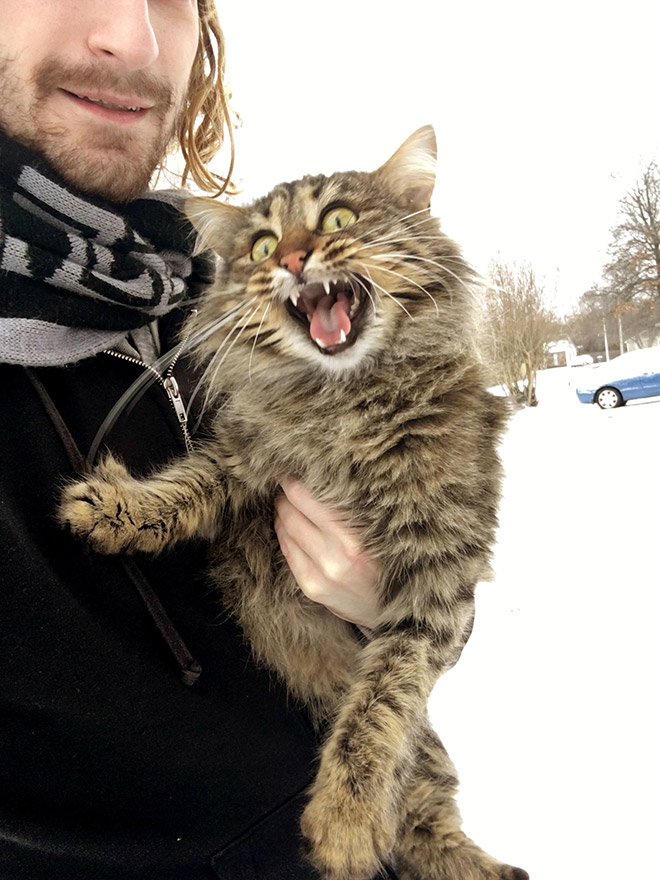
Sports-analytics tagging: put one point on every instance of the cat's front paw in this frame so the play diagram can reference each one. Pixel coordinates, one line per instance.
(350, 835)
(98, 509)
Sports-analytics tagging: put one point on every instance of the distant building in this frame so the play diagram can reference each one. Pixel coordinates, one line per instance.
(560, 353)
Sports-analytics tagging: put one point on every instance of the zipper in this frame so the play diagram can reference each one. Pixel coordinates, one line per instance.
(169, 383)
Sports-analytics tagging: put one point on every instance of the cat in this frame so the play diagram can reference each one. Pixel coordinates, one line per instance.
(339, 346)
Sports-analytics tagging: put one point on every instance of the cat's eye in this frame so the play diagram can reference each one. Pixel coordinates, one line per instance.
(337, 218)
(263, 247)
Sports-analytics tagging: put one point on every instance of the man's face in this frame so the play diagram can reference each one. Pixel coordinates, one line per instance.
(71, 69)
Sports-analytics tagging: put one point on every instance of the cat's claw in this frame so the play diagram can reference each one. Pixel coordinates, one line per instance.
(97, 509)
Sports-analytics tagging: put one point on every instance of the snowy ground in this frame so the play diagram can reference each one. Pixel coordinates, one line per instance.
(551, 715)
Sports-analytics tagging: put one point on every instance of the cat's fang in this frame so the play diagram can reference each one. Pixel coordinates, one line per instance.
(326, 285)
(320, 343)
(293, 296)
(342, 338)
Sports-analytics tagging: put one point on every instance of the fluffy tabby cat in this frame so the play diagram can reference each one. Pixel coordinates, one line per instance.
(349, 363)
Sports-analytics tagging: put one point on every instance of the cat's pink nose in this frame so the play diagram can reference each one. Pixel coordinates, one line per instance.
(294, 262)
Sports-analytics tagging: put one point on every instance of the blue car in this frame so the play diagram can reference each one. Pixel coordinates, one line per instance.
(627, 377)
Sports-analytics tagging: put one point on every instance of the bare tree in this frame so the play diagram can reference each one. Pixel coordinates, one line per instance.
(634, 269)
(626, 304)
(641, 319)
(594, 319)
(519, 328)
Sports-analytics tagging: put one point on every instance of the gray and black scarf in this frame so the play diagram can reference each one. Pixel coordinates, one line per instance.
(77, 274)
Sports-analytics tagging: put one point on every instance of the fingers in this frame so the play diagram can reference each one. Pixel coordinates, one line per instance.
(325, 556)
(330, 523)
(302, 566)
(304, 501)
(298, 528)
(329, 547)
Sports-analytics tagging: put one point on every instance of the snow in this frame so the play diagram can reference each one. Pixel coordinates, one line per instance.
(551, 713)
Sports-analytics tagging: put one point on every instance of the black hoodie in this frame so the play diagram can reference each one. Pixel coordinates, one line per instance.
(111, 766)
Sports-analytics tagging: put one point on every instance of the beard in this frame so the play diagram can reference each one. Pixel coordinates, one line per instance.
(115, 162)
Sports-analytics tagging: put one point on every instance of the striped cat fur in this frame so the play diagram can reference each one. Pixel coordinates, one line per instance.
(391, 423)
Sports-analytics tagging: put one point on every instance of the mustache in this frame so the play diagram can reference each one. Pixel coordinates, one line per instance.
(54, 73)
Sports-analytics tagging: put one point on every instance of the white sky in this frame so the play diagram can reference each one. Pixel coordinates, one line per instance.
(544, 113)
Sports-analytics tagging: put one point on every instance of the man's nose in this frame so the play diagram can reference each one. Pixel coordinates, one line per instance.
(123, 29)
(294, 261)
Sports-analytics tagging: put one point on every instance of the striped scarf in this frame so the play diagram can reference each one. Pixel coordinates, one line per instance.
(77, 273)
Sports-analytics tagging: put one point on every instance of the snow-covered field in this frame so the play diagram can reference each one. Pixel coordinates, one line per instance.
(551, 715)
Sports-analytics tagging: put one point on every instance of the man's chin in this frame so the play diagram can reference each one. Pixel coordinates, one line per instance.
(113, 173)
(114, 177)
(114, 165)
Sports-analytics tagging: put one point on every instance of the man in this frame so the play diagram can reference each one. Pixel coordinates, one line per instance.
(138, 740)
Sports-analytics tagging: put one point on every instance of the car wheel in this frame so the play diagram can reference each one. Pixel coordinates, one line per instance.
(609, 398)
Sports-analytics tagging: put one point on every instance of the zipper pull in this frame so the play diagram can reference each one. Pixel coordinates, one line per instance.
(171, 386)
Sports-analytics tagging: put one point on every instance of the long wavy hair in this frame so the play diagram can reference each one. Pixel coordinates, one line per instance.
(201, 129)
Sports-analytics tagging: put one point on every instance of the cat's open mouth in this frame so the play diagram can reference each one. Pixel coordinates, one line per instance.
(331, 312)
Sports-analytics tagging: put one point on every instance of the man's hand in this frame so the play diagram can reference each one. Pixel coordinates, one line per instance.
(325, 556)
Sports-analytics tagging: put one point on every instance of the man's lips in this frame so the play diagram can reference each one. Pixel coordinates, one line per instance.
(116, 107)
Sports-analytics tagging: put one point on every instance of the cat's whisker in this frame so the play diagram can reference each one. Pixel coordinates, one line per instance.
(396, 235)
(202, 381)
(403, 228)
(410, 281)
(235, 340)
(263, 318)
(393, 298)
(203, 333)
(401, 257)
(423, 215)
(359, 281)
(388, 223)
(151, 374)
(404, 256)
(211, 293)
(402, 239)
(211, 383)
(130, 396)
(210, 330)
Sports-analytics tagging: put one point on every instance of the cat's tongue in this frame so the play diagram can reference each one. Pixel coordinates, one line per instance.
(330, 320)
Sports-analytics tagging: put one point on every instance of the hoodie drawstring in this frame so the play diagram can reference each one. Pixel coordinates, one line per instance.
(189, 667)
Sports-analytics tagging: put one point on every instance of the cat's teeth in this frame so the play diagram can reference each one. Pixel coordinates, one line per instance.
(320, 343)
(342, 338)
(294, 297)
(326, 285)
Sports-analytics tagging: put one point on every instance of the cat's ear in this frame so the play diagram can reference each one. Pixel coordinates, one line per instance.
(217, 224)
(410, 173)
